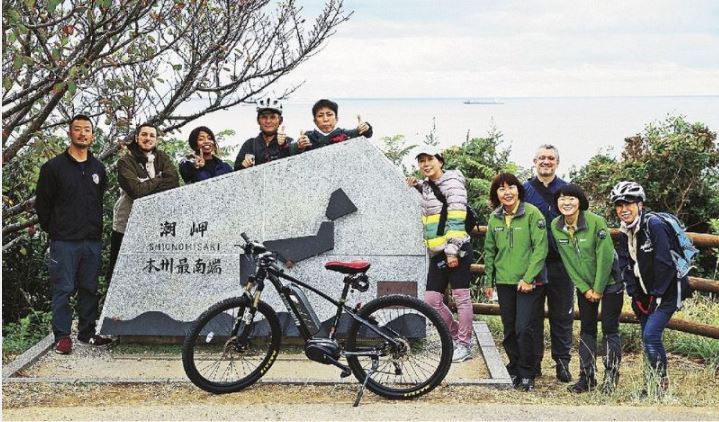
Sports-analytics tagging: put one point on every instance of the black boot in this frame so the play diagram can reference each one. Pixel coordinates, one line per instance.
(563, 373)
(585, 383)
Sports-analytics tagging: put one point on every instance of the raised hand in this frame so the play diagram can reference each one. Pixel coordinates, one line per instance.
(362, 126)
(303, 141)
(281, 136)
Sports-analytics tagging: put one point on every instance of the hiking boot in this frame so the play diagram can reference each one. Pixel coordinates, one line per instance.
(64, 345)
(563, 373)
(526, 385)
(462, 352)
(515, 381)
(95, 340)
(584, 384)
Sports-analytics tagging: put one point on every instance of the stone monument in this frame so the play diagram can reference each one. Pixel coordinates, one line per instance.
(342, 202)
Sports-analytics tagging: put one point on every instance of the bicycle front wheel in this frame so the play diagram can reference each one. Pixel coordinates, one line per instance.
(415, 362)
(223, 354)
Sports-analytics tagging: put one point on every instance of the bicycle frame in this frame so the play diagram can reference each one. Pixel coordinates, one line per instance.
(256, 285)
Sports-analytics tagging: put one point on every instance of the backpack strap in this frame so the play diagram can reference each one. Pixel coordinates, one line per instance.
(443, 214)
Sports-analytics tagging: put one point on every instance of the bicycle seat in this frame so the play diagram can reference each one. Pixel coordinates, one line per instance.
(348, 267)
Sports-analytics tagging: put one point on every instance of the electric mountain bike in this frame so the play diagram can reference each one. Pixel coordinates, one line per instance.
(396, 346)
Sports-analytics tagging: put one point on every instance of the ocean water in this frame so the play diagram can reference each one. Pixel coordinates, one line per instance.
(579, 127)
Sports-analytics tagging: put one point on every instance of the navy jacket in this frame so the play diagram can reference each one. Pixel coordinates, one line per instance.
(541, 197)
(212, 168)
(655, 240)
(69, 197)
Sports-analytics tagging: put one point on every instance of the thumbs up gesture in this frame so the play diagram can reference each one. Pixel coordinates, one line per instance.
(303, 141)
(281, 136)
(362, 126)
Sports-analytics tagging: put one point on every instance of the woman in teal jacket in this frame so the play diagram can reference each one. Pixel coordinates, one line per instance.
(514, 252)
(587, 252)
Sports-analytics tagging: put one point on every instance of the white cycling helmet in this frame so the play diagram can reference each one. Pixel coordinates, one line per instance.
(627, 191)
(269, 104)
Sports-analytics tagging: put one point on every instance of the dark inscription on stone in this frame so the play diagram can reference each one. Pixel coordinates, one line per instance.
(386, 288)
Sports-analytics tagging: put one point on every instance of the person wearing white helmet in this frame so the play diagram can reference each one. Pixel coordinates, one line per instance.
(272, 142)
(444, 210)
(645, 247)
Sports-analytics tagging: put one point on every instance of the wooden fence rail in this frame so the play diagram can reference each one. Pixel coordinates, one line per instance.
(701, 240)
(697, 283)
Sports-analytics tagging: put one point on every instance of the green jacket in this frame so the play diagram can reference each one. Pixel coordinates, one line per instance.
(589, 255)
(516, 252)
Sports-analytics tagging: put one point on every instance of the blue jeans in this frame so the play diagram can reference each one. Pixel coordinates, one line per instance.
(652, 331)
(73, 267)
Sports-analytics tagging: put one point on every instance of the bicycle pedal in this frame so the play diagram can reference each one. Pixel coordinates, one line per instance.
(345, 373)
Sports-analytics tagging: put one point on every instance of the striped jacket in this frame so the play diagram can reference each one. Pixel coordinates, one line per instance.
(451, 184)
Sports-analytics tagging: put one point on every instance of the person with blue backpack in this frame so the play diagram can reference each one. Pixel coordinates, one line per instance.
(651, 248)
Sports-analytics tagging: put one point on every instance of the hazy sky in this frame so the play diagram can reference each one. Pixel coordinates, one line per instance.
(422, 48)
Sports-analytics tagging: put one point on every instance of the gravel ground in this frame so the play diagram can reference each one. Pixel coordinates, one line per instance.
(182, 402)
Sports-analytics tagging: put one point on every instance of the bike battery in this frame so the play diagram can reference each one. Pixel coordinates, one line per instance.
(301, 304)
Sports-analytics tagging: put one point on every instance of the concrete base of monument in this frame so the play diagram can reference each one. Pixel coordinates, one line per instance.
(124, 363)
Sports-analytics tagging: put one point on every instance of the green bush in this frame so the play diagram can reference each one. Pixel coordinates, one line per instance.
(20, 336)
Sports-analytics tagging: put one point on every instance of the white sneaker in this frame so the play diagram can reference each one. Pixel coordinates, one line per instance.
(462, 352)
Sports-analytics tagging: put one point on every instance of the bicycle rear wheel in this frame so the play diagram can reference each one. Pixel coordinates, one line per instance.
(222, 354)
(417, 364)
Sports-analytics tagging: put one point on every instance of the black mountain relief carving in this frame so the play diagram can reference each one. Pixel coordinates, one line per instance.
(295, 249)
(340, 205)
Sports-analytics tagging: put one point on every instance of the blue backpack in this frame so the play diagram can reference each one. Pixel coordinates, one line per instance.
(685, 255)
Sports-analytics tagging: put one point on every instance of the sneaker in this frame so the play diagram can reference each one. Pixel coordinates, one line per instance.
(563, 373)
(64, 345)
(584, 384)
(462, 352)
(95, 340)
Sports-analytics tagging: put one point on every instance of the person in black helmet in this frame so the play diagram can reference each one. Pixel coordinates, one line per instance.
(272, 142)
(204, 163)
(325, 115)
(645, 248)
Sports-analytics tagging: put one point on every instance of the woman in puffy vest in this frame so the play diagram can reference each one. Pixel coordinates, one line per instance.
(449, 247)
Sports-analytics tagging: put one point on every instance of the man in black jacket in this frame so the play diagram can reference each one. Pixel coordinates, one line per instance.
(271, 144)
(539, 191)
(69, 207)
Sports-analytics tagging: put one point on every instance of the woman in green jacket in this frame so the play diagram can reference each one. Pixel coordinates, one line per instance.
(514, 252)
(587, 252)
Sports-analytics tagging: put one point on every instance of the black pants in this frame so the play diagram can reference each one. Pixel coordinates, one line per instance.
(115, 243)
(588, 315)
(560, 305)
(459, 276)
(519, 312)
